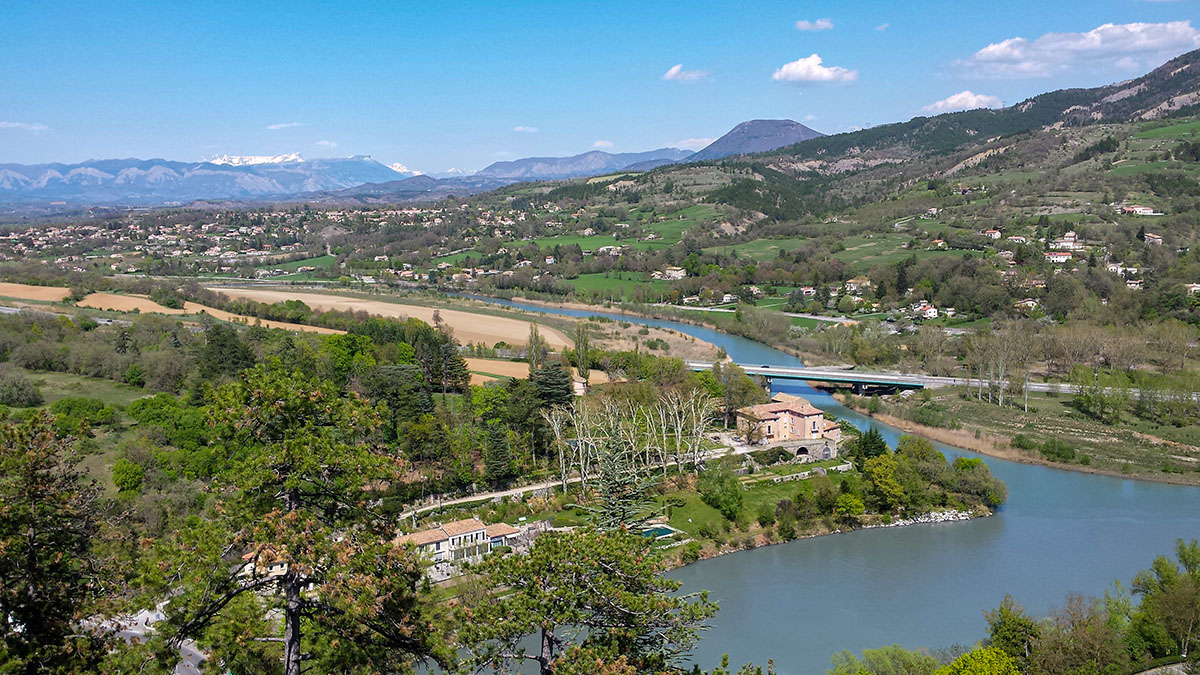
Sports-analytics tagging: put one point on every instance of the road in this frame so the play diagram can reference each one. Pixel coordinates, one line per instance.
(733, 447)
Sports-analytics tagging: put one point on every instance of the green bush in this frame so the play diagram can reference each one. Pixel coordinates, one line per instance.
(16, 389)
(787, 529)
(1058, 451)
(127, 476)
(1024, 442)
(73, 414)
(766, 515)
(691, 553)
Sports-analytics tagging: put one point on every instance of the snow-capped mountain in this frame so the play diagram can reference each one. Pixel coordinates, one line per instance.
(252, 160)
(155, 181)
(401, 169)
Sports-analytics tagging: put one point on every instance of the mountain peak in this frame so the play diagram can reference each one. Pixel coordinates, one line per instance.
(756, 136)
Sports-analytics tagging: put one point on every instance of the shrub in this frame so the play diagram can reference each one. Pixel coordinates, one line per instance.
(691, 553)
(1058, 451)
(766, 515)
(16, 389)
(72, 414)
(1024, 442)
(134, 376)
(787, 529)
(722, 490)
(127, 476)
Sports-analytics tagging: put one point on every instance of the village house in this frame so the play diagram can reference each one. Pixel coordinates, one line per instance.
(461, 540)
(674, 273)
(790, 418)
(858, 284)
(1192, 289)
(1058, 257)
(1017, 239)
(1154, 239)
(992, 234)
(1027, 304)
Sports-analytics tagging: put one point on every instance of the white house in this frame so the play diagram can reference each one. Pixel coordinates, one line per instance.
(674, 273)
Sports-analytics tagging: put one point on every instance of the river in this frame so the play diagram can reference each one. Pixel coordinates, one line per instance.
(924, 585)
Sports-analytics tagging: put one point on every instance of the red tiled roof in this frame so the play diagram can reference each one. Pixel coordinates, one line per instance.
(797, 406)
(423, 537)
(463, 526)
(501, 530)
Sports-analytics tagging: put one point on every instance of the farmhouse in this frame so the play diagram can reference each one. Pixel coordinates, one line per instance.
(788, 418)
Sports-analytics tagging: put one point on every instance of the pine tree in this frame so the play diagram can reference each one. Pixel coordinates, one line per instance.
(52, 577)
(293, 565)
(554, 385)
(498, 461)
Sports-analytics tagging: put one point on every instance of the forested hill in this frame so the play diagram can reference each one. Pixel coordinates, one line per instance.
(1168, 90)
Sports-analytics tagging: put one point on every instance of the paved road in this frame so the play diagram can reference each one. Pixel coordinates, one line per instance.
(733, 447)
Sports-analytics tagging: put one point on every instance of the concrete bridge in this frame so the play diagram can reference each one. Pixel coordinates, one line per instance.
(856, 378)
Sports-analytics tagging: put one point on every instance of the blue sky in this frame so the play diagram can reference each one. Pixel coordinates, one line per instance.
(438, 85)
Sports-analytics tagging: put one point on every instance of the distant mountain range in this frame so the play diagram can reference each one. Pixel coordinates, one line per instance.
(592, 163)
(1170, 90)
(158, 181)
(290, 176)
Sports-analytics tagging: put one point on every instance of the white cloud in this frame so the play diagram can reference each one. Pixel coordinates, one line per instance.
(819, 24)
(522, 129)
(1130, 44)
(326, 144)
(677, 74)
(883, 26)
(809, 118)
(693, 143)
(284, 125)
(809, 69)
(24, 126)
(602, 144)
(964, 100)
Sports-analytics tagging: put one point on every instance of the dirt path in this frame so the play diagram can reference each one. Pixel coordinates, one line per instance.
(468, 327)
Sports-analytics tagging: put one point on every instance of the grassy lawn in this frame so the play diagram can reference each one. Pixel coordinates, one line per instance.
(593, 242)
(319, 262)
(760, 249)
(457, 258)
(618, 282)
(1181, 130)
(54, 386)
(1151, 167)
(671, 230)
(863, 252)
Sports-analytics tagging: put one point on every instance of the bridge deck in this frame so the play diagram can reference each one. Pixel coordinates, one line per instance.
(819, 375)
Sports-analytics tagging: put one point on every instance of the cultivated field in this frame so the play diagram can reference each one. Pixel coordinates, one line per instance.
(520, 370)
(144, 305)
(467, 327)
(27, 292)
